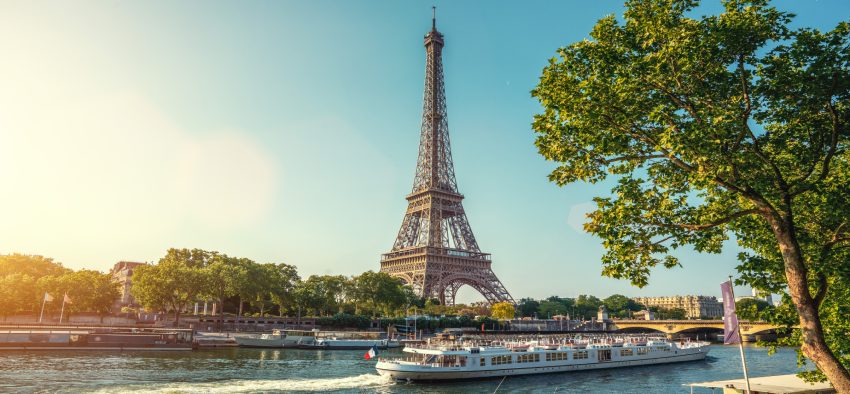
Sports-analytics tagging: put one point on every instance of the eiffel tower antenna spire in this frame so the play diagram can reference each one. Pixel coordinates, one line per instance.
(433, 17)
(435, 251)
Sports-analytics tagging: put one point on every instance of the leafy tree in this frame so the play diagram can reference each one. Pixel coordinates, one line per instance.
(18, 293)
(503, 310)
(249, 283)
(620, 305)
(527, 307)
(668, 314)
(222, 279)
(285, 279)
(731, 123)
(749, 308)
(566, 302)
(587, 306)
(170, 284)
(194, 258)
(310, 296)
(90, 291)
(31, 265)
(384, 293)
(548, 309)
(282, 279)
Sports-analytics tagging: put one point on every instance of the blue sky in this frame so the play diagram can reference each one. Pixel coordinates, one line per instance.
(288, 132)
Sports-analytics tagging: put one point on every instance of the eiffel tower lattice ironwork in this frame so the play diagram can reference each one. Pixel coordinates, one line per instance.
(435, 251)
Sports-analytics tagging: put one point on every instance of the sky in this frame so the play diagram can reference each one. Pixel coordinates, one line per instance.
(288, 132)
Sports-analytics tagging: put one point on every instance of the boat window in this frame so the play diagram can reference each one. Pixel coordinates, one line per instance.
(605, 355)
(483, 361)
(626, 352)
(557, 356)
(579, 355)
(499, 360)
(642, 350)
(528, 358)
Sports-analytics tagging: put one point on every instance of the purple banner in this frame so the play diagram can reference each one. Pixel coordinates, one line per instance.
(730, 319)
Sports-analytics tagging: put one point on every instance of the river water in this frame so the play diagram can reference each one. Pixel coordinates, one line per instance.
(235, 370)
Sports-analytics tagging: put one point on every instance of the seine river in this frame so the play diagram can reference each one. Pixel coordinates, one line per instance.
(235, 370)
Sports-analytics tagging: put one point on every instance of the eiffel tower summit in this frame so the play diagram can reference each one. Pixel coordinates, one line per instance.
(435, 251)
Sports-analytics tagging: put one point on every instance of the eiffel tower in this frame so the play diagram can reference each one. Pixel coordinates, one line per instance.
(435, 251)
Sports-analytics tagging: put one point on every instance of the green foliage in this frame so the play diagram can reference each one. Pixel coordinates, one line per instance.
(668, 314)
(587, 306)
(527, 307)
(621, 306)
(732, 123)
(321, 295)
(750, 308)
(282, 279)
(24, 280)
(547, 309)
(172, 284)
(30, 265)
(344, 320)
(17, 293)
(89, 291)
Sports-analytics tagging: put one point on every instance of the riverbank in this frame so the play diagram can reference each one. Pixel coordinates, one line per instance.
(237, 370)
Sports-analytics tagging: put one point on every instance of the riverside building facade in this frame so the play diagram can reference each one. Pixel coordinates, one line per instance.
(695, 307)
(122, 272)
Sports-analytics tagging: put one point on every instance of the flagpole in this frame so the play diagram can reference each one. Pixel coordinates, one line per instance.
(43, 300)
(64, 297)
(740, 338)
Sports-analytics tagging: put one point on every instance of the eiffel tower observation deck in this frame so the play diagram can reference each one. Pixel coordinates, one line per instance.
(435, 251)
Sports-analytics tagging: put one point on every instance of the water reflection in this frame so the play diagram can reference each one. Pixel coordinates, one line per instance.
(296, 370)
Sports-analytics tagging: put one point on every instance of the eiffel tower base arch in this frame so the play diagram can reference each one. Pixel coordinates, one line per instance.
(432, 275)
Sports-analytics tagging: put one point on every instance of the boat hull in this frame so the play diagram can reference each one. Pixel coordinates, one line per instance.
(259, 343)
(348, 344)
(418, 373)
(110, 348)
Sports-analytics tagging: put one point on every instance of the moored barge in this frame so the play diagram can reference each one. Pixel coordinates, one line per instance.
(95, 339)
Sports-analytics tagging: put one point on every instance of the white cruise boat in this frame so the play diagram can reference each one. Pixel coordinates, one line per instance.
(465, 360)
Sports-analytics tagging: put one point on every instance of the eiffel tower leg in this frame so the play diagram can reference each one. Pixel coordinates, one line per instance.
(500, 293)
(450, 292)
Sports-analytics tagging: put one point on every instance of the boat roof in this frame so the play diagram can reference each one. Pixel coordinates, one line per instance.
(777, 384)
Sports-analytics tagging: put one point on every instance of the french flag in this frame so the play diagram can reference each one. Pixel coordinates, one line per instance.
(372, 353)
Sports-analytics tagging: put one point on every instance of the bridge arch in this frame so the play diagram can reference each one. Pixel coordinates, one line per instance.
(639, 330)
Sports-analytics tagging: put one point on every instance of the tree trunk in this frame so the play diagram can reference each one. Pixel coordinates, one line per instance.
(220, 311)
(239, 315)
(814, 345)
(176, 317)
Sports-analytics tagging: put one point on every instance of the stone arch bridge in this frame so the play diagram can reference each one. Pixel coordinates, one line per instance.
(679, 326)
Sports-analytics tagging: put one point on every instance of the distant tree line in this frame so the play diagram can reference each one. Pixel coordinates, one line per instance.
(586, 307)
(243, 287)
(24, 280)
(185, 276)
(237, 285)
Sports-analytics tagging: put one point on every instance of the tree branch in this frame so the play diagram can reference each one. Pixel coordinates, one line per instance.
(833, 145)
(822, 287)
(637, 133)
(745, 117)
(632, 158)
(837, 238)
(697, 227)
